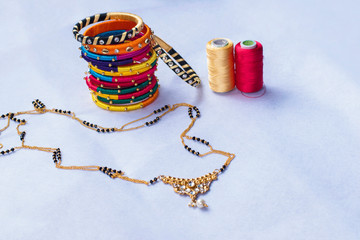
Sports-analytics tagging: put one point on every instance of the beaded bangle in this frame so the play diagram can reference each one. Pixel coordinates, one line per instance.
(119, 91)
(126, 107)
(122, 48)
(112, 39)
(141, 54)
(129, 70)
(184, 71)
(129, 100)
(118, 85)
(116, 79)
(137, 93)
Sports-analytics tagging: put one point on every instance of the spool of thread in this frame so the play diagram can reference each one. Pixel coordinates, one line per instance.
(220, 61)
(249, 66)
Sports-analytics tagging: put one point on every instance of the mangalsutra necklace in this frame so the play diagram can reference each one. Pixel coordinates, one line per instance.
(191, 187)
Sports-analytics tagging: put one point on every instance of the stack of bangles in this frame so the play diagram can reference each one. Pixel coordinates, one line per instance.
(122, 55)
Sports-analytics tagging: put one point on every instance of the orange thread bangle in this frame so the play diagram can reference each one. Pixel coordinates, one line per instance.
(122, 48)
(113, 39)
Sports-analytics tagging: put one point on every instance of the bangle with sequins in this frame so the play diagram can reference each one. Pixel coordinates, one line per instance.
(112, 39)
(141, 54)
(179, 66)
(124, 108)
(118, 79)
(122, 48)
(129, 70)
(118, 85)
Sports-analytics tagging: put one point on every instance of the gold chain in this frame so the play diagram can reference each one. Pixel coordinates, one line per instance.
(191, 187)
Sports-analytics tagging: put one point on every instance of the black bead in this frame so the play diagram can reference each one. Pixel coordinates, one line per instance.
(202, 140)
(221, 169)
(95, 126)
(12, 149)
(155, 179)
(189, 149)
(7, 151)
(224, 166)
(100, 168)
(23, 120)
(166, 106)
(69, 112)
(157, 118)
(193, 138)
(107, 130)
(91, 125)
(60, 111)
(2, 152)
(186, 146)
(102, 130)
(155, 111)
(98, 130)
(113, 129)
(198, 139)
(151, 181)
(119, 172)
(197, 153)
(147, 124)
(192, 151)
(206, 143)
(105, 168)
(84, 122)
(3, 116)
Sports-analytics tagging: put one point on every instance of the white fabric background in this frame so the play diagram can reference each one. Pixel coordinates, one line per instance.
(296, 174)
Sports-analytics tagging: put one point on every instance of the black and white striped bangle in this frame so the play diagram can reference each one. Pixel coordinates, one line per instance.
(167, 54)
(112, 39)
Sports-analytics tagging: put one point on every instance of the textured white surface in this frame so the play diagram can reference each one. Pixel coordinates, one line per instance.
(296, 174)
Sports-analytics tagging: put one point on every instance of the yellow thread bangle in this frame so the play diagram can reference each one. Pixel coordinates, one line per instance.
(124, 108)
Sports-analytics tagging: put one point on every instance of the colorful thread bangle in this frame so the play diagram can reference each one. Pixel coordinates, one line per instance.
(141, 54)
(118, 85)
(184, 71)
(129, 100)
(129, 70)
(126, 107)
(112, 39)
(143, 58)
(122, 48)
(138, 92)
(123, 78)
(118, 91)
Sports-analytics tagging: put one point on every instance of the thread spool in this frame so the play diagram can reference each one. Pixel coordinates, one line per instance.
(220, 61)
(249, 66)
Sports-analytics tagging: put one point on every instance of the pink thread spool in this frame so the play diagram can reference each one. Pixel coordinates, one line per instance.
(249, 66)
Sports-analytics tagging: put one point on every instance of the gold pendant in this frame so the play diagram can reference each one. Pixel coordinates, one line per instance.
(192, 187)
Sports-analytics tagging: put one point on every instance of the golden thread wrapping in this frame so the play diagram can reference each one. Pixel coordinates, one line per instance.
(220, 61)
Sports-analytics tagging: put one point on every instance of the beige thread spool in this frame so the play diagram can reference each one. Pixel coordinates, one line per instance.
(220, 61)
